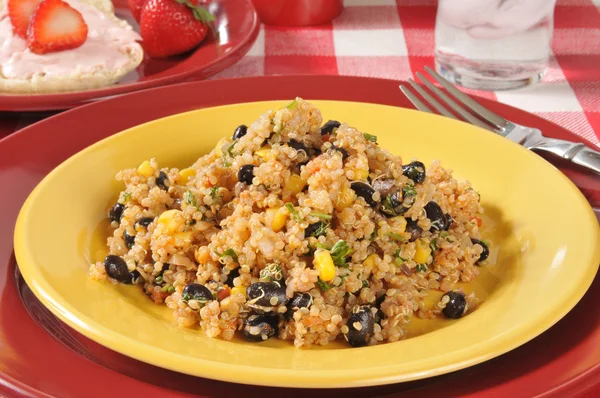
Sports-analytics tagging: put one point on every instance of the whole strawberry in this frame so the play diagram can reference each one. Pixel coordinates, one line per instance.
(170, 27)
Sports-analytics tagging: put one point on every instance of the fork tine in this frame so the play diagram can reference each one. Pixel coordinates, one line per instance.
(414, 99)
(432, 101)
(469, 102)
(452, 104)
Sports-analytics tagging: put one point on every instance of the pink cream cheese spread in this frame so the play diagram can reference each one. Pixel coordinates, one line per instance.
(104, 49)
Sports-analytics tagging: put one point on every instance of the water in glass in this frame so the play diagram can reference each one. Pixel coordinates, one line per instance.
(493, 44)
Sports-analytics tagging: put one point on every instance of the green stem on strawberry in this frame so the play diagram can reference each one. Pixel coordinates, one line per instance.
(200, 13)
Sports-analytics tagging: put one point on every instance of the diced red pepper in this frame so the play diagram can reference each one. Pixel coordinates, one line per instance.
(223, 293)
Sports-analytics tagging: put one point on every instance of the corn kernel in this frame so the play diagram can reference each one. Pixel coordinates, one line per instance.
(344, 199)
(265, 153)
(422, 252)
(184, 237)
(219, 147)
(184, 175)
(370, 261)
(279, 219)
(398, 225)
(171, 220)
(295, 184)
(324, 265)
(239, 289)
(145, 169)
(360, 174)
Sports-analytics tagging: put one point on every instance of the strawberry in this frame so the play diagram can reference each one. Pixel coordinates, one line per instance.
(56, 26)
(170, 27)
(20, 12)
(136, 8)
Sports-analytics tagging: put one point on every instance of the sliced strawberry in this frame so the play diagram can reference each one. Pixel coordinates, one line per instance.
(170, 27)
(20, 12)
(136, 8)
(56, 26)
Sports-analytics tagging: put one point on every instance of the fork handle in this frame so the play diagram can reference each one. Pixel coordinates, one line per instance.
(575, 152)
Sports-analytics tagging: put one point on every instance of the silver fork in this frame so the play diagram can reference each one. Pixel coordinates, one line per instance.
(529, 137)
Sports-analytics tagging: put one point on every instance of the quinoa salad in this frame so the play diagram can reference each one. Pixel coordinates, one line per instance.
(299, 230)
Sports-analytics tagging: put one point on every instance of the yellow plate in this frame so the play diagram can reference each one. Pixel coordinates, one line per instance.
(547, 235)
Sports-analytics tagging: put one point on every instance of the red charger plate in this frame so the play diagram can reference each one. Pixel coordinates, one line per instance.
(235, 19)
(40, 356)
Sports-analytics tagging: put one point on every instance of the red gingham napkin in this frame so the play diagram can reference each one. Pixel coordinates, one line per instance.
(394, 38)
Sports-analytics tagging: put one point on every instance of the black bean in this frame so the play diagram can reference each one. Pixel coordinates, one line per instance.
(456, 306)
(415, 171)
(261, 327)
(365, 191)
(436, 216)
(340, 150)
(116, 212)
(379, 316)
(316, 229)
(486, 251)
(360, 326)
(162, 181)
(449, 221)
(299, 146)
(129, 240)
(413, 228)
(145, 221)
(300, 300)
(234, 273)
(246, 173)
(196, 291)
(136, 277)
(265, 296)
(116, 268)
(328, 127)
(240, 131)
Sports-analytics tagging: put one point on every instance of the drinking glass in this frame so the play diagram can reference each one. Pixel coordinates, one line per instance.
(493, 44)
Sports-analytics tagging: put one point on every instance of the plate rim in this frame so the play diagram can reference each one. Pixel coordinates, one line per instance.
(68, 100)
(386, 93)
(98, 332)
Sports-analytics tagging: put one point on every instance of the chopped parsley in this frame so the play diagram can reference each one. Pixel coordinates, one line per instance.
(229, 252)
(365, 284)
(433, 244)
(230, 150)
(387, 206)
(444, 234)
(339, 252)
(370, 137)
(421, 268)
(190, 199)
(214, 193)
(399, 260)
(125, 197)
(323, 285)
(396, 236)
(373, 234)
(167, 289)
(321, 215)
(292, 211)
(292, 105)
(321, 229)
(408, 190)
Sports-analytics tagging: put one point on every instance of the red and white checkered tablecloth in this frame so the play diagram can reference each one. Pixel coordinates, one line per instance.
(395, 38)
